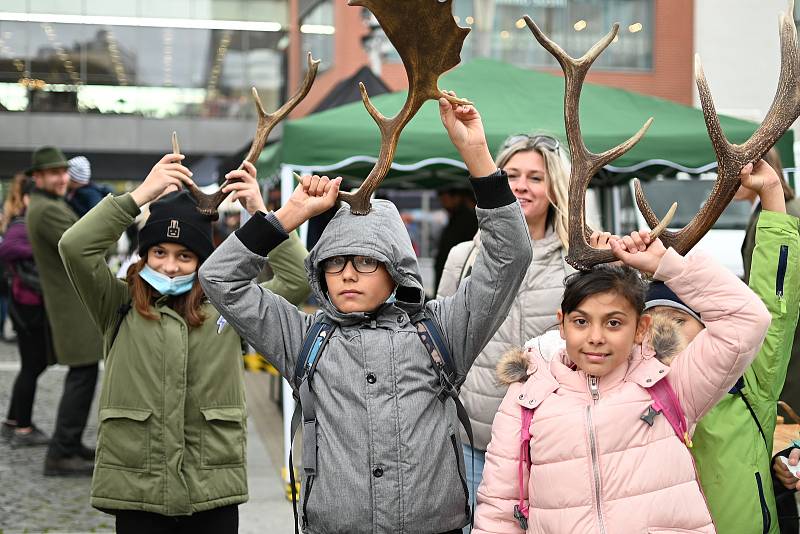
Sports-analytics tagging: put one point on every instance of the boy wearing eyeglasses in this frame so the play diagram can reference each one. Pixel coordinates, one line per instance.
(387, 454)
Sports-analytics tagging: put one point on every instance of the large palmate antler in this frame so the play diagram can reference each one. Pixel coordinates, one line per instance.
(585, 164)
(208, 204)
(732, 158)
(429, 42)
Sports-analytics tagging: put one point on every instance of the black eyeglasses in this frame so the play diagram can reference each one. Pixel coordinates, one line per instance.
(362, 264)
(532, 141)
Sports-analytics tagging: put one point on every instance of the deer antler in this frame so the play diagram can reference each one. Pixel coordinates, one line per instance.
(208, 204)
(732, 158)
(429, 42)
(585, 164)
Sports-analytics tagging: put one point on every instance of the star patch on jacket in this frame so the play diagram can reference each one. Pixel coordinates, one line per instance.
(221, 322)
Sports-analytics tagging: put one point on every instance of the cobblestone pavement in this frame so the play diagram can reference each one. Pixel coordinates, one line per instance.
(31, 502)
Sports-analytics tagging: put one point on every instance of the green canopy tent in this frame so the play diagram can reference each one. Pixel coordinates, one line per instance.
(345, 140)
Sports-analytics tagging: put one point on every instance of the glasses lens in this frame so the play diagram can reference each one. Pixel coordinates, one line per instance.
(365, 264)
(334, 265)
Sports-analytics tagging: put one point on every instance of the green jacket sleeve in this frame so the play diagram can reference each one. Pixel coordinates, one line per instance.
(83, 249)
(775, 278)
(290, 280)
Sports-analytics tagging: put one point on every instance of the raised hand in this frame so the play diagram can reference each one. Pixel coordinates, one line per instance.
(312, 196)
(166, 176)
(465, 129)
(765, 182)
(639, 250)
(247, 191)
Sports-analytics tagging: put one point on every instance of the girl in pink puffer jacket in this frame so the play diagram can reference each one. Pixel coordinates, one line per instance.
(602, 460)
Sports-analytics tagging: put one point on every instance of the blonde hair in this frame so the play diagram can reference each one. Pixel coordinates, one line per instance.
(14, 204)
(557, 170)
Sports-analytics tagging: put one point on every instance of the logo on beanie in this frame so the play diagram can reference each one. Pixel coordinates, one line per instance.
(174, 230)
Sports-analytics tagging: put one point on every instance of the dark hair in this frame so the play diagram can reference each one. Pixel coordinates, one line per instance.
(622, 280)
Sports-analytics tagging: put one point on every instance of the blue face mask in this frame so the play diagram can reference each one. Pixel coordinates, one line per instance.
(166, 285)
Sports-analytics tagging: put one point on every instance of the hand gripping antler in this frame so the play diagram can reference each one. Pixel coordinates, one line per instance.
(208, 204)
(585, 164)
(429, 42)
(732, 158)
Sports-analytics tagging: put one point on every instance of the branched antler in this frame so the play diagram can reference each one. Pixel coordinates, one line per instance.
(429, 42)
(731, 159)
(585, 164)
(208, 204)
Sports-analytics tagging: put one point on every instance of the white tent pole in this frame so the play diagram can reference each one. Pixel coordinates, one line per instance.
(287, 401)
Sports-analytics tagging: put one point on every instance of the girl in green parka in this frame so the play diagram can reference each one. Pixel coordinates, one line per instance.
(732, 444)
(172, 437)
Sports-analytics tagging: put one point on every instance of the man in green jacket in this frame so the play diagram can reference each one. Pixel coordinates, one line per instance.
(76, 339)
(733, 443)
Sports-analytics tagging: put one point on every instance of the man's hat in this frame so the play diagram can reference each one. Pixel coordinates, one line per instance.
(47, 157)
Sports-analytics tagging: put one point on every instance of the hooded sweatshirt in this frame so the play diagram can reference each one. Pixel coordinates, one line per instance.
(388, 451)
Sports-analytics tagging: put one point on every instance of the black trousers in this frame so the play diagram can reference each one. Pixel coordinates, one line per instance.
(30, 323)
(223, 520)
(73, 411)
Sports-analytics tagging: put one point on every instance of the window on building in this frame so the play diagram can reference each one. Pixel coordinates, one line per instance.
(498, 30)
(317, 31)
(202, 67)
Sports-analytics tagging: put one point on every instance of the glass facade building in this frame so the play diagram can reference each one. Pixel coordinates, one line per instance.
(189, 58)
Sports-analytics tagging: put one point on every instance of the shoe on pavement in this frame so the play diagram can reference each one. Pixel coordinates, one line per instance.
(68, 466)
(7, 430)
(31, 439)
(87, 453)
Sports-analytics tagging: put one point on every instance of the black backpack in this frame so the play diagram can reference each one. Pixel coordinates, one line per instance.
(305, 401)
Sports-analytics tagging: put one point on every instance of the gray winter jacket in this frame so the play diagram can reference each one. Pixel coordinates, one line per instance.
(389, 456)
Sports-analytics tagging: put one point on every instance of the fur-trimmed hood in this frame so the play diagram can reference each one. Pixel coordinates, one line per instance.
(663, 338)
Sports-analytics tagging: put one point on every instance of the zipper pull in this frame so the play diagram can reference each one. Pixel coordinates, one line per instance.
(594, 389)
(783, 302)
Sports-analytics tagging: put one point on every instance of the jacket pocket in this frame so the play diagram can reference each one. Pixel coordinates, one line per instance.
(766, 520)
(124, 439)
(222, 439)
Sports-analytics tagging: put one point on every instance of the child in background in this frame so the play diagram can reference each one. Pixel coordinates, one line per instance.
(733, 442)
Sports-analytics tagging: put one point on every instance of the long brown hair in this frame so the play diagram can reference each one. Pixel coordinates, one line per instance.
(14, 204)
(187, 305)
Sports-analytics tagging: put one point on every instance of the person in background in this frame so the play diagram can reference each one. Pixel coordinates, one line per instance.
(538, 174)
(27, 313)
(462, 223)
(76, 338)
(732, 443)
(82, 194)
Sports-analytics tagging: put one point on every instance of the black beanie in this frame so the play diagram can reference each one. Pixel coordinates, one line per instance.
(176, 219)
(658, 294)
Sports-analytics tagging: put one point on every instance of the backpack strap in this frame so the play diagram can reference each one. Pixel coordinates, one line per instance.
(521, 510)
(122, 311)
(666, 401)
(305, 408)
(449, 382)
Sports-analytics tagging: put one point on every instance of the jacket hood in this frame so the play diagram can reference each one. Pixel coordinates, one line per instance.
(663, 338)
(380, 234)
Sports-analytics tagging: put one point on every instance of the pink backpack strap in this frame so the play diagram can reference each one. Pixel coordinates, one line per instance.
(666, 401)
(521, 509)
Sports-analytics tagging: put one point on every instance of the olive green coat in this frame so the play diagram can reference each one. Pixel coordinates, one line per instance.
(172, 435)
(76, 338)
